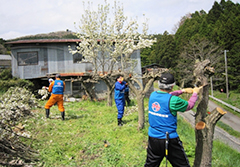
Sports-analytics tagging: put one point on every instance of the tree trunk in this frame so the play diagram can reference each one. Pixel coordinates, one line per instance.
(109, 96)
(140, 93)
(141, 115)
(204, 130)
(110, 87)
(88, 92)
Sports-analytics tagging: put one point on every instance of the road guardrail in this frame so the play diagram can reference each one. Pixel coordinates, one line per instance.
(226, 104)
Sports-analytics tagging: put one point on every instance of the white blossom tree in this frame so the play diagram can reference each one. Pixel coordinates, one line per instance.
(108, 41)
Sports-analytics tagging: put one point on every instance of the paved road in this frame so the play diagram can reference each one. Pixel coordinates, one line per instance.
(229, 119)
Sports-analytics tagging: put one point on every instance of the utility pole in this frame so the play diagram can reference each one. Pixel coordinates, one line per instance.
(211, 86)
(226, 72)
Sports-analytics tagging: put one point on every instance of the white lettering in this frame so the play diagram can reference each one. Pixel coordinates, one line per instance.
(160, 115)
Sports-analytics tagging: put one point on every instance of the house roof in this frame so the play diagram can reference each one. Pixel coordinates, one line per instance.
(28, 41)
(154, 65)
(5, 57)
(44, 41)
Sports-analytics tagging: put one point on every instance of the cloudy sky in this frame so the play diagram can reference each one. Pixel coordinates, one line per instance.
(29, 17)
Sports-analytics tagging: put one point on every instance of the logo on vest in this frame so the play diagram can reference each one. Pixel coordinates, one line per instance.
(156, 106)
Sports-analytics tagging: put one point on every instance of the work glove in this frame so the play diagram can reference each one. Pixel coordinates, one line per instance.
(197, 89)
(187, 90)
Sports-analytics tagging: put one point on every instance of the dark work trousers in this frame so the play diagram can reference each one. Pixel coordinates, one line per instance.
(126, 96)
(156, 153)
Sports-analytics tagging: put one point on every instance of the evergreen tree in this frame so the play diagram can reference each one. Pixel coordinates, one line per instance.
(220, 26)
(166, 51)
(214, 13)
(148, 55)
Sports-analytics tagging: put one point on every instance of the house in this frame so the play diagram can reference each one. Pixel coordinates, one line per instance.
(5, 61)
(39, 59)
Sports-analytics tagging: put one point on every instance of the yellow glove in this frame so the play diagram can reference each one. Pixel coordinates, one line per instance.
(188, 90)
(196, 89)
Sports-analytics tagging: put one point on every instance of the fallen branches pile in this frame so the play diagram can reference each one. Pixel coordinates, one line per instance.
(15, 105)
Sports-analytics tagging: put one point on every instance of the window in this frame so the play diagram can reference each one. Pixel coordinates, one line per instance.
(77, 58)
(27, 58)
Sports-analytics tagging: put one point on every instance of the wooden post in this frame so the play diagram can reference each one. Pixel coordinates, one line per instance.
(211, 86)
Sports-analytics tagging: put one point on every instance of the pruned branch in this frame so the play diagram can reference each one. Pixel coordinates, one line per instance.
(215, 115)
(15, 104)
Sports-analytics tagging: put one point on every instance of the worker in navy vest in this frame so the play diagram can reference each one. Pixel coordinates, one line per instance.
(162, 115)
(57, 88)
(119, 90)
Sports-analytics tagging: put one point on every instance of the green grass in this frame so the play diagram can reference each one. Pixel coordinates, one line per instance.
(224, 156)
(233, 97)
(228, 129)
(80, 139)
(233, 100)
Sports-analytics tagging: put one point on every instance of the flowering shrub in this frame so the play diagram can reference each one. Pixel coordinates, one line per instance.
(15, 104)
(43, 93)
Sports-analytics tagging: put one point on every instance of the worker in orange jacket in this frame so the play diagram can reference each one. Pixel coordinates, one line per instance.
(57, 88)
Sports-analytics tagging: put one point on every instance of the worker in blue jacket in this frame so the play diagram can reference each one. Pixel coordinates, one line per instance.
(119, 89)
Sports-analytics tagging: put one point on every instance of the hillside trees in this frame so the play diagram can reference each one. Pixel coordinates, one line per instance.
(219, 26)
(165, 51)
(109, 43)
(3, 49)
(214, 13)
(148, 55)
(234, 67)
(198, 51)
(191, 29)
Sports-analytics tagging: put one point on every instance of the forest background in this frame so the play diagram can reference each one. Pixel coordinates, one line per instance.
(220, 26)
